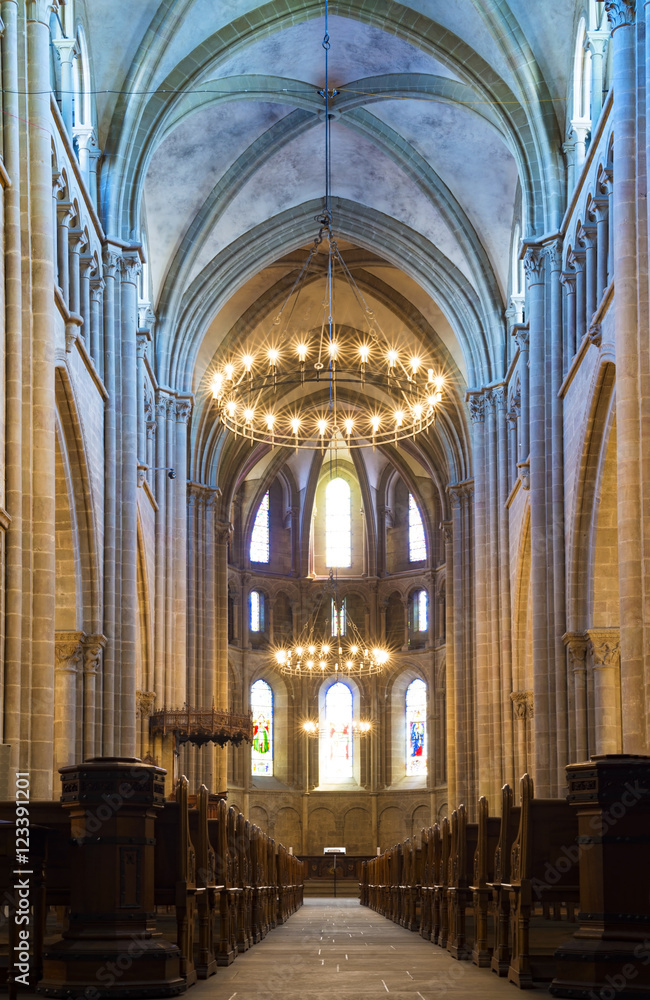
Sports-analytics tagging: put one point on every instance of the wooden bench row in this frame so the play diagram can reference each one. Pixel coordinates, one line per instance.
(501, 892)
(219, 880)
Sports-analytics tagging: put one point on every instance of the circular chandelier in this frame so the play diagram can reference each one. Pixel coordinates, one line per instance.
(312, 382)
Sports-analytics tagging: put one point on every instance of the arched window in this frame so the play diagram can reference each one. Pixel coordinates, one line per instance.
(416, 728)
(338, 549)
(338, 723)
(259, 550)
(418, 618)
(262, 709)
(256, 621)
(339, 617)
(417, 541)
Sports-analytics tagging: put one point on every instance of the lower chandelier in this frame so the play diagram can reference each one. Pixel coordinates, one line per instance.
(344, 656)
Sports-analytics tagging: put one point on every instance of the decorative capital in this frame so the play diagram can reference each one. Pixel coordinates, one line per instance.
(447, 530)
(568, 279)
(131, 269)
(621, 13)
(520, 334)
(40, 10)
(511, 418)
(145, 701)
(64, 212)
(477, 407)
(68, 650)
(142, 344)
(223, 532)
(534, 265)
(605, 646)
(77, 240)
(522, 704)
(554, 254)
(595, 334)
(92, 652)
(524, 472)
(183, 409)
(576, 644)
(496, 398)
(97, 286)
(111, 259)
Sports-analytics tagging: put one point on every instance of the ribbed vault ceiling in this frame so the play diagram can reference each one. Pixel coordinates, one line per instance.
(213, 131)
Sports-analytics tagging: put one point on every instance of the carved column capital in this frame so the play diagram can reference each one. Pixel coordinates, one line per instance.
(621, 13)
(554, 254)
(520, 334)
(142, 346)
(92, 652)
(476, 407)
(131, 269)
(447, 530)
(534, 265)
(522, 704)
(223, 532)
(68, 650)
(40, 10)
(524, 472)
(145, 701)
(576, 644)
(568, 279)
(111, 259)
(604, 644)
(182, 410)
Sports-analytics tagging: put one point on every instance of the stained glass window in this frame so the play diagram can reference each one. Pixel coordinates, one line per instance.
(262, 709)
(338, 551)
(416, 730)
(257, 611)
(338, 722)
(420, 611)
(417, 541)
(339, 618)
(259, 551)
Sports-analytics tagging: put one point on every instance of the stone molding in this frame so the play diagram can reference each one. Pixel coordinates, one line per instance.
(68, 650)
(111, 260)
(145, 701)
(521, 337)
(460, 493)
(223, 531)
(524, 473)
(476, 402)
(92, 652)
(130, 268)
(40, 10)
(554, 254)
(576, 644)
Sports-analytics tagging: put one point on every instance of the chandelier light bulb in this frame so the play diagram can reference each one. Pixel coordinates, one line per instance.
(273, 356)
(417, 411)
(348, 424)
(295, 425)
(217, 385)
(231, 407)
(270, 420)
(322, 427)
(248, 415)
(415, 365)
(399, 417)
(302, 352)
(247, 362)
(311, 650)
(325, 650)
(333, 350)
(393, 357)
(299, 650)
(375, 423)
(364, 353)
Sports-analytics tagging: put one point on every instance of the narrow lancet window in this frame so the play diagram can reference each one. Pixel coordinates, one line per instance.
(259, 551)
(417, 541)
(256, 611)
(338, 723)
(262, 709)
(416, 731)
(338, 548)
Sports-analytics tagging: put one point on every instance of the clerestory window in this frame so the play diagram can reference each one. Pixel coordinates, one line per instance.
(417, 541)
(338, 529)
(260, 537)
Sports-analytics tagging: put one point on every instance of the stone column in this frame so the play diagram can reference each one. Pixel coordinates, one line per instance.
(111, 499)
(555, 532)
(577, 259)
(67, 49)
(520, 333)
(569, 282)
(69, 655)
(631, 551)
(15, 669)
(601, 213)
(522, 706)
(596, 43)
(42, 542)
(92, 658)
(460, 722)
(544, 729)
(183, 410)
(576, 644)
(162, 569)
(65, 214)
(504, 604)
(86, 266)
(450, 684)
(588, 238)
(604, 646)
(223, 533)
(129, 503)
(96, 308)
(89, 153)
(141, 353)
(76, 242)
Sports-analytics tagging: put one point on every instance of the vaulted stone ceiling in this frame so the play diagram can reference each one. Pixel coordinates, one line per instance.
(448, 115)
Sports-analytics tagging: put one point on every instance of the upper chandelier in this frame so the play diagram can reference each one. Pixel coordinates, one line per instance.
(314, 382)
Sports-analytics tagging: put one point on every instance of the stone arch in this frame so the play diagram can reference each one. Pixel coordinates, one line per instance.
(287, 828)
(357, 831)
(420, 820)
(260, 817)
(322, 830)
(392, 827)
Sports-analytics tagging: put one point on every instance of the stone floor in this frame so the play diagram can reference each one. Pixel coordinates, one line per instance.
(335, 948)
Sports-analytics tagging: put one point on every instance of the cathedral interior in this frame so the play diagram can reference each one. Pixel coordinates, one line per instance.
(188, 185)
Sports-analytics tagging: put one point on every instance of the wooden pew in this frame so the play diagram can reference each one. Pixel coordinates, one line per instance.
(426, 890)
(412, 876)
(440, 928)
(500, 903)
(363, 882)
(225, 913)
(272, 885)
(489, 828)
(175, 874)
(459, 894)
(544, 885)
(208, 898)
(242, 875)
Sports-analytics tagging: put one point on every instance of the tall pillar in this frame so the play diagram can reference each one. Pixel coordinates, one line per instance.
(460, 717)
(481, 589)
(505, 614)
(96, 308)
(131, 267)
(67, 49)
(544, 730)
(223, 532)
(604, 646)
(596, 43)
(601, 212)
(450, 681)
(634, 658)
(92, 654)
(68, 656)
(183, 409)
(43, 405)
(162, 569)
(569, 282)
(576, 644)
(555, 530)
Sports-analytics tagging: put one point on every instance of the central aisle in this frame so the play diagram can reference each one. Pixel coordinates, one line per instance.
(337, 948)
